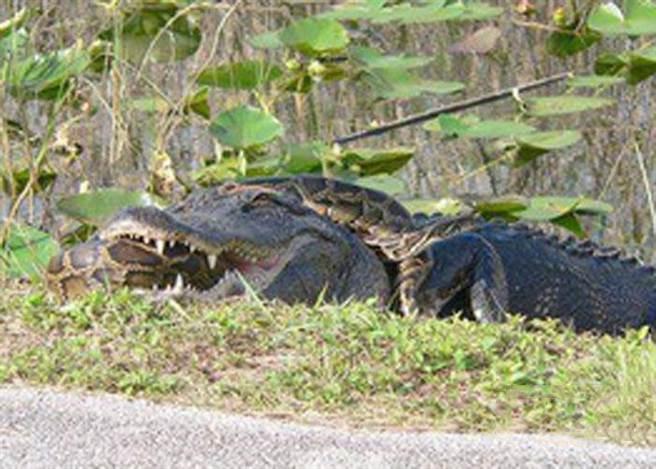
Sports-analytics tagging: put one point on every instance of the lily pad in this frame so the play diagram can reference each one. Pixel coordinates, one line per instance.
(315, 36)
(305, 157)
(557, 105)
(638, 18)
(471, 127)
(389, 184)
(157, 29)
(593, 81)
(533, 145)
(394, 83)
(500, 206)
(246, 75)
(96, 208)
(371, 161)
(245, 126)
(27, 252)
(47, 76)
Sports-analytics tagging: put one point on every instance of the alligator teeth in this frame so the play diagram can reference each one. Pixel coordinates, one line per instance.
(179, 283)
(192, 248)
(146, 240)
(211, 260)
(172, 243)
(159, 244)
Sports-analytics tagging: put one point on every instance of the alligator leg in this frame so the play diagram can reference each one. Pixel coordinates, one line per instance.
(464, 262)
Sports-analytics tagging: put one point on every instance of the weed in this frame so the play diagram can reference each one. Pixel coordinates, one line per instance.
(349, 362)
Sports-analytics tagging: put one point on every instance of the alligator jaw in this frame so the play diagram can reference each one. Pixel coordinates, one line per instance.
(166, 266)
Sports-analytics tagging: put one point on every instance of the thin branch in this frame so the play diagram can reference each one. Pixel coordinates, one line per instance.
(648, 191)
(455, 107)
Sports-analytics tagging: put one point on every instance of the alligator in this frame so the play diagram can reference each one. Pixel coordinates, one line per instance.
(458, 264)
(220, 242)
(486, 269)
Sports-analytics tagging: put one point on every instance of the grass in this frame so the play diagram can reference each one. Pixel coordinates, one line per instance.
(345, 364)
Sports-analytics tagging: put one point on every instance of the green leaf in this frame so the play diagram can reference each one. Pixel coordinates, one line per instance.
(146, 30)
(268, 40)
(562, 211)
(639, 18)
(227, 168)
(246, 75)
(556, 105)
(408, 14)
(95, 208)
(263, 167)
(587, 206)
(450, 125)
(500, 206)
(547, 208)
(533, 145)
(390, 83)
(315, 36)
(477, 11)
(570, 223)
(435, 11)
(27, 252)
(198, 102)
(610, 64)
(14, 46)
(371, 161)
(47, 76)
(641, 65)
(354, 11)
(471, 127)
(305, 157)
(564, 44)
(244, 127)
(389, 184)
(593, 81)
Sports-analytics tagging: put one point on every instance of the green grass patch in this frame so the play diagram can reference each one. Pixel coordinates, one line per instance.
(349, 362)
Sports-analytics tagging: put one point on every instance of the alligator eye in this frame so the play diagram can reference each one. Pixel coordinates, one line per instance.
(263, 197)
(274, 199)
(260, 199)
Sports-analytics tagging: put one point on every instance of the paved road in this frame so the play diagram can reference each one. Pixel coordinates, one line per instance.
(47, 429)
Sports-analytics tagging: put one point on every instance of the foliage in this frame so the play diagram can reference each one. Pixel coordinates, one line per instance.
(308, 54)
(345, 361)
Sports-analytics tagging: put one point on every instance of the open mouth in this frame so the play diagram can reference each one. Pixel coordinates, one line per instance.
(174, 267)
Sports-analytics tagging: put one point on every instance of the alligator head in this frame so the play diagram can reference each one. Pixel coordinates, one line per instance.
(218, 242)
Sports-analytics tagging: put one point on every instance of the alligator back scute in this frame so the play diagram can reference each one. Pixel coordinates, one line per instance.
(595, 288)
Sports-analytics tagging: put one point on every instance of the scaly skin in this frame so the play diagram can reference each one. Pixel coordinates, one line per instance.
(382, 222)
(439, 265)
(498, 268)
(205, 246)
(379, 220)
